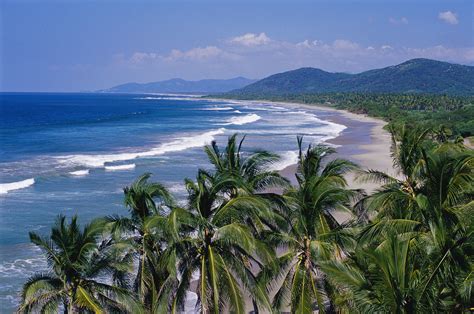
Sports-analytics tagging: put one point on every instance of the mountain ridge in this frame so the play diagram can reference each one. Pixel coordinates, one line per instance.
(413, 76)
(178, 85)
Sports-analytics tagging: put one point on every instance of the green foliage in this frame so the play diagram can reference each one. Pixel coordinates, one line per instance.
(408, 248)
(76, 259)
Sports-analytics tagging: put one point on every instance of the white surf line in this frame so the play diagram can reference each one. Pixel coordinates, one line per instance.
(7, 187)
(120, 167)
(179, 144)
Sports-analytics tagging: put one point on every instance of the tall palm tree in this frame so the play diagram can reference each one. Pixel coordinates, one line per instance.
(312, 234)
(214, 242)
(143, 239)
(76, 260)
(250, 173)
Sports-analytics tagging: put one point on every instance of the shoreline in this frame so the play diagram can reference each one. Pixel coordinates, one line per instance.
(364, 141)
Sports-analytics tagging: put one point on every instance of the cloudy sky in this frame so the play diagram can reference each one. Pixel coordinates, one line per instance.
(88, 45)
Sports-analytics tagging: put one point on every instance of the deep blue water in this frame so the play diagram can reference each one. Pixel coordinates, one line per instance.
(73, 154)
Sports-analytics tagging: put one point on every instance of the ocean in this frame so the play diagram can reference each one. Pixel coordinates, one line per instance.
(73, 154)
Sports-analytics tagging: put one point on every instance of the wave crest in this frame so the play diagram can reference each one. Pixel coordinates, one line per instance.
(79, 173)
(7, 187)
(241, 120)
(179, 144)
(120, 167)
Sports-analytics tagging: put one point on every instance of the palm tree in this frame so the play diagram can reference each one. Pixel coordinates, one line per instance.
(76, 261)
(143, 239)
(446, 201)
(436, 195)
(397, 197)
(312, 234)
(214, 242)
(384, 278)
(250, 173)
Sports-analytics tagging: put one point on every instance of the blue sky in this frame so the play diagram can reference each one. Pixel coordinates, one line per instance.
(88, 45)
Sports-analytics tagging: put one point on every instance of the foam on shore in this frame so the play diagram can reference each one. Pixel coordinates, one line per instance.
(286, 159)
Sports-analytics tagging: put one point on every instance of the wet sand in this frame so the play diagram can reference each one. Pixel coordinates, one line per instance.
(364, 141)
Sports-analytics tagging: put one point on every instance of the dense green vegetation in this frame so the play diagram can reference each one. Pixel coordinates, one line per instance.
(432, 111)
(408, 247)
(422, 76)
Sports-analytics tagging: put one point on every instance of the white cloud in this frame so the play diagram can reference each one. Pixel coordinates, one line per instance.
(342, 44)
(448, 17)
(251, 39)
(305, 44)
(196, 53)
(139, 57)
(256, 56)
(395, 21)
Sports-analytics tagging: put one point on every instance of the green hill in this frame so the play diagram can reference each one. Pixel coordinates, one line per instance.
(421, 76)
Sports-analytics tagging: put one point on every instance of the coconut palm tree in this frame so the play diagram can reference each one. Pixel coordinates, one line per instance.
(142, 237)
(385, 278)
(214, 243)
(76, 260)
(250, 173)
(397, 196)
(436, 196)
(312, 231)
(446, 201)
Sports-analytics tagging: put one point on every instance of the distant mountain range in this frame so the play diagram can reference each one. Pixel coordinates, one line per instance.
(413, 76)
(423, 76)
(182, 86)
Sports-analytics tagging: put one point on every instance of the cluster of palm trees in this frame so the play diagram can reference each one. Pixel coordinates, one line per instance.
(249, 240)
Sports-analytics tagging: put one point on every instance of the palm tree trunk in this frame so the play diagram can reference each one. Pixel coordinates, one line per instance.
(255, 306)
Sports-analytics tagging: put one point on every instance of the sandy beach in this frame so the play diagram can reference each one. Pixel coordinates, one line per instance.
(364, 141)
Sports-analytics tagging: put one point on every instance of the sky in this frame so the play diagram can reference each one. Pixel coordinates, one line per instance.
(67, 46)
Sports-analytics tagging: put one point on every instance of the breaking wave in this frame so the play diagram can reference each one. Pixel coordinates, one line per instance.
(241, 120)
(7, 187)
(120, 167)
(179, 144)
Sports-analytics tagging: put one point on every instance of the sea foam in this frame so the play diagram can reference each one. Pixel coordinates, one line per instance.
(241, 120)
(7, 187)
(218, 108)
(120, 167)
(79, 173)
(179, 144)
(286, 159)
